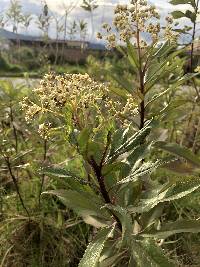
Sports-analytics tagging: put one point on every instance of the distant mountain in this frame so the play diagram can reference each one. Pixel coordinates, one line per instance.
(13, 36)
(4, 34)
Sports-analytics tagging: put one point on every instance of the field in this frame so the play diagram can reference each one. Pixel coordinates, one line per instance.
(100, 161)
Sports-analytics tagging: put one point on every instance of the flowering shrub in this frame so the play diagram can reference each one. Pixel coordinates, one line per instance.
(109, 131)
(87, 102)
(113, 192)
(113, 189)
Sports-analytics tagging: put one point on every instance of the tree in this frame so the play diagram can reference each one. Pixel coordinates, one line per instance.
(3, 21)
(44, 20)
(14, 14)
(59, 29)
(90, 6)
(68, 8)
(82, 27)
(72, 30)
(27, 18)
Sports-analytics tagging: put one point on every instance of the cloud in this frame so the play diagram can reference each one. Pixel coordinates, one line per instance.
(58, 7)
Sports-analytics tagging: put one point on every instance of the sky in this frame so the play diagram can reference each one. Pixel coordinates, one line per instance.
(104, 12)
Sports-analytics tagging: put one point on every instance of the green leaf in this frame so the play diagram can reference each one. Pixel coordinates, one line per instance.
(84, 204)
(62, 173)
(156, 253)
(149, 218)
(120, 92)
(125, 219)
(132, 142)
(158, 69)
(179, 82)
(172, 228)
(83, 139)
(191, 15)
(157, 96)
(180, 166)
(113, 167)
(123, 82)
(163, 50)
(153, 72)
(118, 138)
(146, 168)
(171, 106)
(111, 261)
(147, 253)
(95, 248)
(184, 79)
(138, 153)
(178, 14)
(179, 151)
(179, 2)
(166, 194)
(132, 55)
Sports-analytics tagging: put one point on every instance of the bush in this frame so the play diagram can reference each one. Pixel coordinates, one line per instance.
(5, 66)
(27, 57)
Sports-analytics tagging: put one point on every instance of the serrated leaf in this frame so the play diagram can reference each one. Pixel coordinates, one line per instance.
(146, 168)
(109, 262)
(146, 253)
(172, 228)
(179, 82)
(172, 192)
(163, 50)
(180, 166)
(125, 219)
(62, 173)
(148, 218)
(95, 248)
(83, 139)
(179, 151)
(138, 153)
(84, 204)
(132, 142)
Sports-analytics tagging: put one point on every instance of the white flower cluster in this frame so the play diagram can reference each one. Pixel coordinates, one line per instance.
(87, 100)
(130, 21)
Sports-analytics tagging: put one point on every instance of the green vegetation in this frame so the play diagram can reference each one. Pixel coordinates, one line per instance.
(103, 169)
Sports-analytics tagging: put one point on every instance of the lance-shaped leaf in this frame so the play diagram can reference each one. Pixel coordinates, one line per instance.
(62, 173)
(123, 82)
(85, 204)
(179, 82)
(110, 261)
(180, 2)
(178, 14)
(132, 142)
(190, 15)
(172, 228)
(158, 69)
(166, 194)
(163, 50)
(146, 168)
(179, 151)
(147, 253)
(83, 139)
(95, 248)
(125, 220)
(132, 55)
